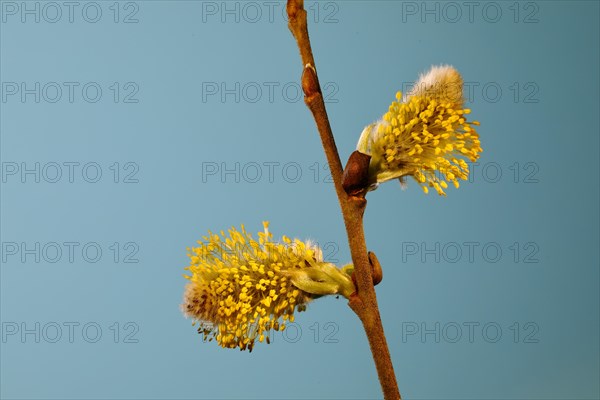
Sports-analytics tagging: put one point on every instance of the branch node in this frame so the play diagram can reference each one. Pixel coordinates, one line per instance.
(356, 304)
(293, 6)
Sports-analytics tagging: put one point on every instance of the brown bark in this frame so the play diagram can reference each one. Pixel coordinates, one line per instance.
(366, 269)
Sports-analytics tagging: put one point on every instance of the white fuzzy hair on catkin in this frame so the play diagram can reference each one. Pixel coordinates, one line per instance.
(443, 82)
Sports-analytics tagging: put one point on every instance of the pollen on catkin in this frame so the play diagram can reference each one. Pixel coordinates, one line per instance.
(242, 290)
(425, 135)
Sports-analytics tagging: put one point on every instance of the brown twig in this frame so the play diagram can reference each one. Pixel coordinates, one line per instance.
(364, 302)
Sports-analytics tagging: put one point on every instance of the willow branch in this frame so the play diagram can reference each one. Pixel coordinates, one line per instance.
(364, 302)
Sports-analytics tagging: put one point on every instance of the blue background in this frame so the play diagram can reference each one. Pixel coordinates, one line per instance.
(543, 56)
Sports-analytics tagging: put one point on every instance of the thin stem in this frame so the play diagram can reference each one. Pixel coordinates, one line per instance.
(364, 302)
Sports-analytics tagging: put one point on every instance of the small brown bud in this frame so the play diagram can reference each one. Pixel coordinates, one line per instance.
(310, 82)
(377, 272)
(356, 174)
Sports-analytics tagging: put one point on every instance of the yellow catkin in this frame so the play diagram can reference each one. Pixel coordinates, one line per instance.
(239, 291)
(429, 147)
(425, 135)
